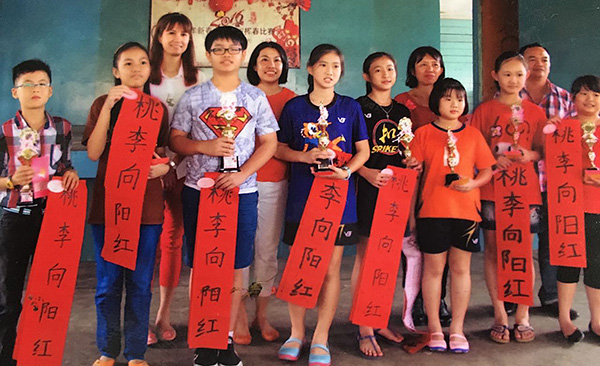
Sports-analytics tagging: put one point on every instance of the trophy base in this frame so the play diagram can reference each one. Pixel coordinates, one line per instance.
(451, 178)
(230, 164)
(592, 173)
(514, 154)
(323, 165)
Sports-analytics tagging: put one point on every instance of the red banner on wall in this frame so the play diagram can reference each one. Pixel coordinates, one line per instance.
(565, 195)
(47, 303)
(374, 293)
(214, 260)
(513, 237)
(131, 149)
(313, 246)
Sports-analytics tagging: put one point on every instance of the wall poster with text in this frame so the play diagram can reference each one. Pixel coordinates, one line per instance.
(266, 20)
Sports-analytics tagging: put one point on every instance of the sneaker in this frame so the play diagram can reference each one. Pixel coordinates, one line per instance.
(229, 357)
(206, 357)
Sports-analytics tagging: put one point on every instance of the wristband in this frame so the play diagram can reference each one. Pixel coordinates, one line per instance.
(346, 169)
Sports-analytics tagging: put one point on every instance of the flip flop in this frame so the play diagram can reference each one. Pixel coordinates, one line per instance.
(437, 345)
(458, 343)
(167, 335)
(594, 334)
(152, 340)
(574, 337)
(388, 340)
(521, 330)
(371, 338)
(100, 362)
(500, 329)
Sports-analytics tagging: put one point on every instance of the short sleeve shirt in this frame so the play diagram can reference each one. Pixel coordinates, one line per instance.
(493, 120)
(347, 127)
(196, 115)
(419, 114)
(430, 147)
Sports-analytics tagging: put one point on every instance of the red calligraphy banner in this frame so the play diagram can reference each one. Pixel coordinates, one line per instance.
(313, 246)
(214, 259)
(131, 149)
(522, 176)
(47, 303)
(374, 293)
(513, 237)
(565, 195)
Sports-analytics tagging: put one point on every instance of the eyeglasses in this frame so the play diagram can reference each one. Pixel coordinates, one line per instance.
(32, 85)
(221, 51)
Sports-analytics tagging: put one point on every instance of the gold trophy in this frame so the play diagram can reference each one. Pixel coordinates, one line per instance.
(405, 136)
(29, 140)
(231, 163)
(452, 159)
(516, 120)
(323, 138)
(590, 139)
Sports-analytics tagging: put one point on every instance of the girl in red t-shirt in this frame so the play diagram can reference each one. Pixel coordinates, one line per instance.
(493, 119)
(267, 70)
(447, 215)
(586, 95)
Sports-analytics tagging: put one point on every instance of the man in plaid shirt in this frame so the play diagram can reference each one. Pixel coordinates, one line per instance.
(32, 132)
(557, 103)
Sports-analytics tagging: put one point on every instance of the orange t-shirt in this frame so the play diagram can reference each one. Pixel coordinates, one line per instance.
(275, 170)
(420, 115)
(493, 118)
(429, 147)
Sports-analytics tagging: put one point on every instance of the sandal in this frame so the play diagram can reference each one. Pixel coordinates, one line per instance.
(574, 337)
(167, 335)
(437, 345)
(594, 334)
(389, 340)
(152, 340)
(100, 362)
(290, 353)
(373, 340)
(458, 343)
(319, 360)
(500, 333)
(522, 331)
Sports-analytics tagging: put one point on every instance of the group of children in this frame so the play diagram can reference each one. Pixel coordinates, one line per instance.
(456, 161)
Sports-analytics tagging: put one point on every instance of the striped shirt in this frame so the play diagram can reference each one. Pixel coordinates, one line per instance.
(55, 141)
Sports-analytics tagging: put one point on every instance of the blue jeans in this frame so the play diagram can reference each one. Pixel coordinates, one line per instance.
(246, 226)
(109, 290)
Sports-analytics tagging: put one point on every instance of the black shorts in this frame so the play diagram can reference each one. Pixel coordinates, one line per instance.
(591, 274)
(437, 235)
(347, 234)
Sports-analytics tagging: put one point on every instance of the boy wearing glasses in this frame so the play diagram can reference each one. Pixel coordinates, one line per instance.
(20, 210)
(195, 132)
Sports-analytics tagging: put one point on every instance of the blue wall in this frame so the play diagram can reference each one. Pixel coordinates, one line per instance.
(569, 30)
(77, 38)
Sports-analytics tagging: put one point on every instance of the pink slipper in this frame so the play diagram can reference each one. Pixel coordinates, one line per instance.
(437, 345)
(458, 344)
(152, 338)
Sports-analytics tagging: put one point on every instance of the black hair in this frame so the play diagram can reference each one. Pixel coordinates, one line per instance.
(251, 73)
(28, 66)
(444, 88)
(506, 56)
(589, 82)
(315, 56)
(531, 45)
(122, 48)
(370, 59)
(225, 32)
(415, 57)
